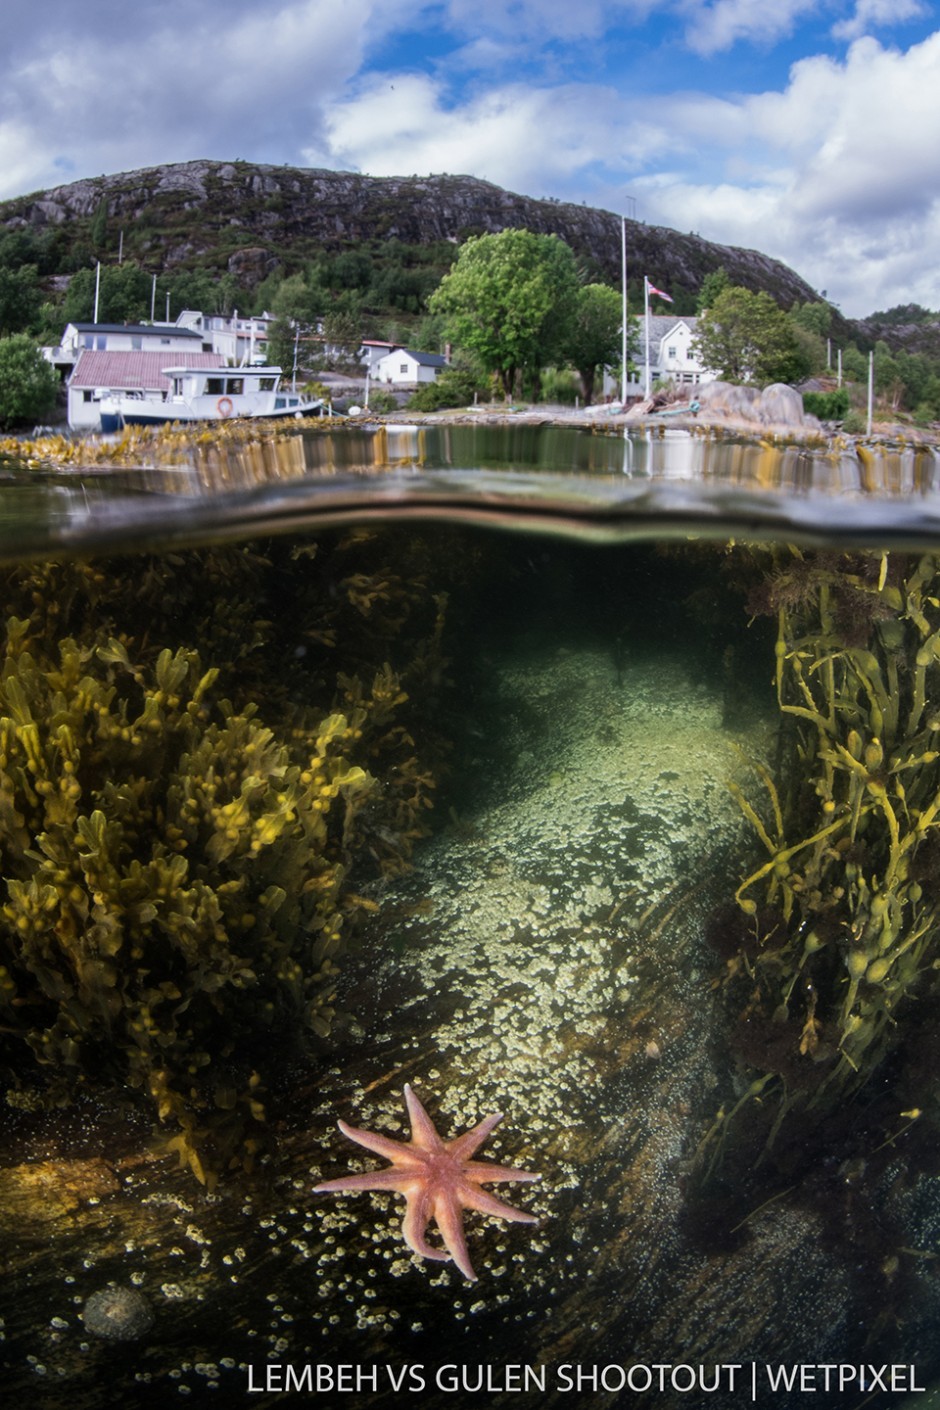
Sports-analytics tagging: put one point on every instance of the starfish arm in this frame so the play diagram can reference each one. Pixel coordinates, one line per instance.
(471, 1197)
(483, 1174)
(423, 1133)
(397, 1151)
(449, 1219)
(463, 1147)
(369, 1180)
(417, 1215)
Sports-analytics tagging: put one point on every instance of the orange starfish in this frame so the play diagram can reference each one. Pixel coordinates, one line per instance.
(438, 1180)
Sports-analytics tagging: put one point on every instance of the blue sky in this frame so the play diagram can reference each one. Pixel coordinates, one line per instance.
(808, 129)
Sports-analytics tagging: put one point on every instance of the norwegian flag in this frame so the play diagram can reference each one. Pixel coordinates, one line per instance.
(659, 292)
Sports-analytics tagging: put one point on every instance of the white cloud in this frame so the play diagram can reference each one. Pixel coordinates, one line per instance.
(227, 82)
(722, 23)
(876, 14)
(402, 124)
(834, 173)
(852, 203)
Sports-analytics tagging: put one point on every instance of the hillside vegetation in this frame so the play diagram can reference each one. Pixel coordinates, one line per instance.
(358, 256)
(389, 240)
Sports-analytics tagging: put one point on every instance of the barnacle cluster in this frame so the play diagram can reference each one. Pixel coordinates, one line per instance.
(840, 922)
(182, 847)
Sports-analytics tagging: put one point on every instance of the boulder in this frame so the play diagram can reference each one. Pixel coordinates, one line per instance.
(728, 401)
(777, 405)
(781, 405)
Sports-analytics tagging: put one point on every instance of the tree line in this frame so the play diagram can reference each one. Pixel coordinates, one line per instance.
(515, 306)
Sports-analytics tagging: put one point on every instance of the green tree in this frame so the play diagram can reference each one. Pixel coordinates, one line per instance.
(99, 225)
(810, 354)
(123, 296)
(509, 300)
(283, 339)
(854, 364)
(745, 337)
(889, 382)
(188, 289)
(713, 284)
(814, 317)
(595, 338)
(28, 383)
(19, 298)
(342, 332)
(294, 298)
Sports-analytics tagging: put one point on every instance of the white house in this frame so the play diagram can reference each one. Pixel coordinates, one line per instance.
(670, 353)
(98, 374)
(372, 349)
(240, 340)
(403, 368)
(672, 357)
(125, 337)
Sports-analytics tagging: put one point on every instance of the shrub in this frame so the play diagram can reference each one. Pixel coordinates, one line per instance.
(560, 385)
(381, 401)
(452, 388)
(828, 406)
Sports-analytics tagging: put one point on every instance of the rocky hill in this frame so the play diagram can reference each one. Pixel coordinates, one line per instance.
(248, 219)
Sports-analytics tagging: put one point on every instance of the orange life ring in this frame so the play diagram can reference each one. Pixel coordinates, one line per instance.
(224, 406)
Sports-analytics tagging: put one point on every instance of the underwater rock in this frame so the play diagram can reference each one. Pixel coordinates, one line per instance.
(118, 1314)
(46, 1190)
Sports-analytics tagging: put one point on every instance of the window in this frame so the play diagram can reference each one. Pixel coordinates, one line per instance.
(215, 386)
(236, 385)
(403, 367)
(671, 352)
(137, 342)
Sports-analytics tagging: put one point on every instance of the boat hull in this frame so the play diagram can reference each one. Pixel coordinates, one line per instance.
(166, 414)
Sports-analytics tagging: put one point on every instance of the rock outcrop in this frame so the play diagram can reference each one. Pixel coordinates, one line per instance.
(777, 405)
(195, 209)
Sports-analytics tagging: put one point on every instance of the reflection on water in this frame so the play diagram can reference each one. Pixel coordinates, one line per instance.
(661, 482)
(672, 911)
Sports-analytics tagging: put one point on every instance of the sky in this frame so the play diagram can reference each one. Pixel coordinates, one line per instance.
(807, 129)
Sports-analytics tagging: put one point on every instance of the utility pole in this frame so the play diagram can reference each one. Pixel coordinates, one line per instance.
(623, 278)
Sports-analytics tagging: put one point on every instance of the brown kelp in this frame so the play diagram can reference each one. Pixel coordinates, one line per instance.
(183, 840)
(838, 924)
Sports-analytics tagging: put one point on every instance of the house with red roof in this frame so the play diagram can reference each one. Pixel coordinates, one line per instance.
(100, 374)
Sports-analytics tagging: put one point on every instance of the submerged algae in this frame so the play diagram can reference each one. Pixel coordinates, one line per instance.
(841, 921)
(180, 872)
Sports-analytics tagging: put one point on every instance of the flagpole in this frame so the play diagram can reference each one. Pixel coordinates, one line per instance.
(646, 311)
(623, 345)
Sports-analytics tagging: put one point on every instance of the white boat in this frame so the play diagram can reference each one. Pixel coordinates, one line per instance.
(208, 394)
